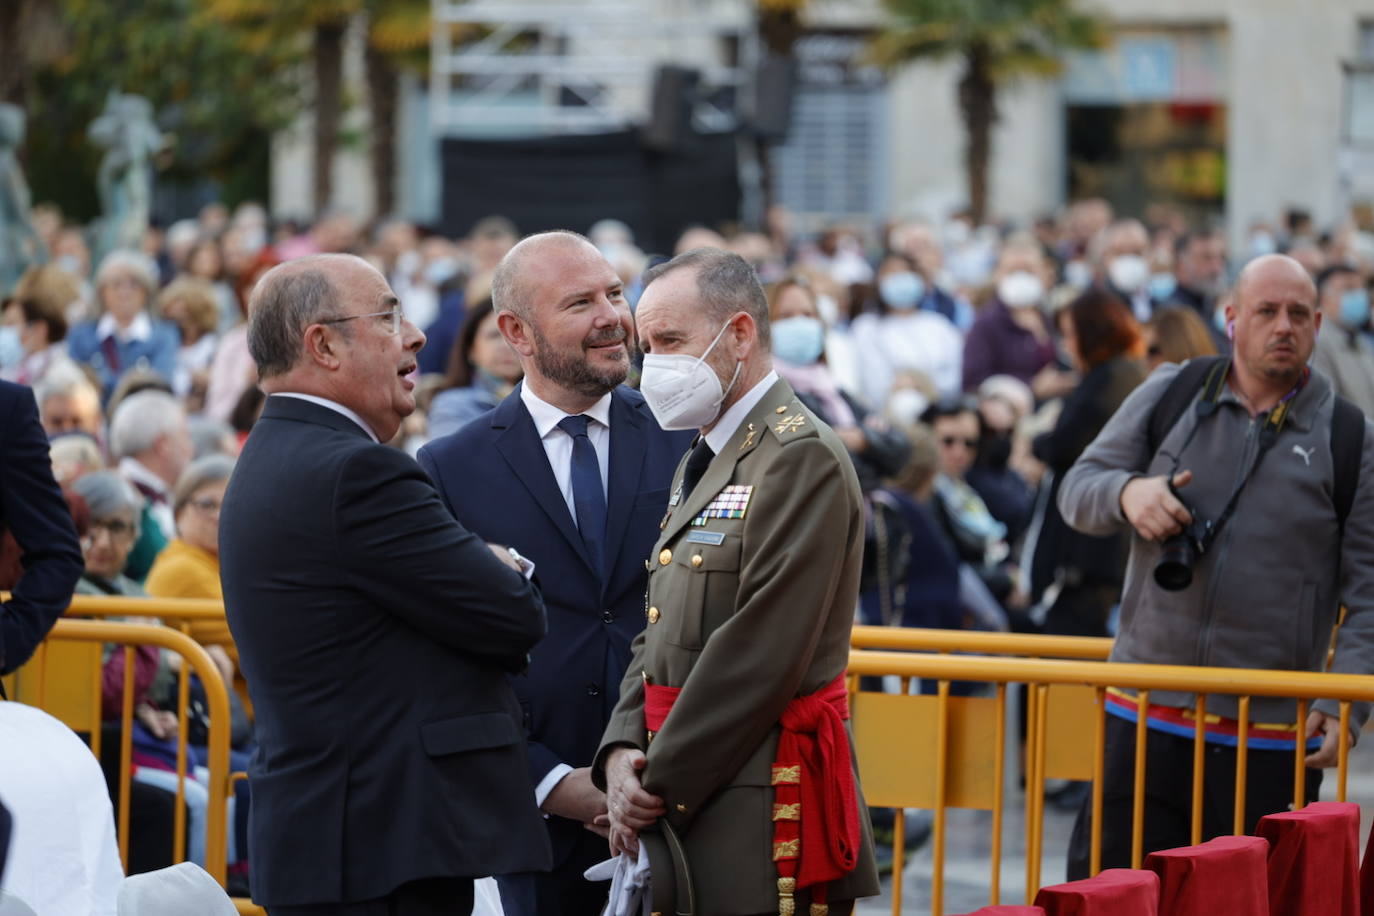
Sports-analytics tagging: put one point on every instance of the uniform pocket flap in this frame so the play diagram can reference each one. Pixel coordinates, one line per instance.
(705, 553)
(468, 733)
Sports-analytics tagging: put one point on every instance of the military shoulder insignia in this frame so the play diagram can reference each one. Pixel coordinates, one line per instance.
(732, 502)
(749, 439)
(790, 424)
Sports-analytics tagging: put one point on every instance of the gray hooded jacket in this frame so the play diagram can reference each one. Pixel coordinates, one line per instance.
(1266, 594)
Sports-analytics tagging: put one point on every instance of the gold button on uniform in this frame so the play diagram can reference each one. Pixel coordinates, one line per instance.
(696, 560)
(681, 809)
(665, 557)
(782, 409)
(653, 615)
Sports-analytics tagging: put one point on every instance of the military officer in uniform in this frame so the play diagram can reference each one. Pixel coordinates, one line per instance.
(732, 721)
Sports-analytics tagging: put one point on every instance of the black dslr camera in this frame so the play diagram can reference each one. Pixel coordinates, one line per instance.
(1179, 554)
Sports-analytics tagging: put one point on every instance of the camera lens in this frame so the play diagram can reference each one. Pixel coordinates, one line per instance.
(1174, 571)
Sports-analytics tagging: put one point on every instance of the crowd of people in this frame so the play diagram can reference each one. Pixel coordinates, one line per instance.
(964, 370)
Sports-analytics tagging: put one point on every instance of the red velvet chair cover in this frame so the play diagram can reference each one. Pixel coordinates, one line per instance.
(1114, 892)
(1314, 857)
(1226, 875)
(1367, 877)
(1008, 911)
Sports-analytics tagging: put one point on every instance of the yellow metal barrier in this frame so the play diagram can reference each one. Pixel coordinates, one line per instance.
(896, 734)
(64, 679)
(915, 639)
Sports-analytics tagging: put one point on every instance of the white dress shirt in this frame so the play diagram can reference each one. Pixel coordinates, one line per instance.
(558, 448)
(141, 328)
(160, 509)
(720, 434)
(558, 445)
(332, 405)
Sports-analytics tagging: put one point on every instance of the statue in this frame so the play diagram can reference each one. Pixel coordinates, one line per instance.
(20, 245)
(126, 129)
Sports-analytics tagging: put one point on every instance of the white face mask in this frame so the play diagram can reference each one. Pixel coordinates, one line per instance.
(1129, 273)
(684, 391)
(1020, 289)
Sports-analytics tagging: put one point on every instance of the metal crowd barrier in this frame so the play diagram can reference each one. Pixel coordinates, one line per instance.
(64, 679)
(895, 735)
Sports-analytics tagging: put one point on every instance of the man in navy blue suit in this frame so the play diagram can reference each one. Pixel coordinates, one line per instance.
(572, 470)
(32, 507)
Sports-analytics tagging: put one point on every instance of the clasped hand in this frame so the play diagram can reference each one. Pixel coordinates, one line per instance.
(630, 807)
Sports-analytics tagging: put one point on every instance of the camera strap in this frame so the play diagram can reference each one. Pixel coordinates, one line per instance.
(1268, 435)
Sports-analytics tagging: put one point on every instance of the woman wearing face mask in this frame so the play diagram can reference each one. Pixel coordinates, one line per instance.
(1011, 335)
(895, 334)
(878, 450)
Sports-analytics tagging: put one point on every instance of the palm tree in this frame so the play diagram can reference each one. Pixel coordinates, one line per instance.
(326, 23)
(397, 38)
(999, 41)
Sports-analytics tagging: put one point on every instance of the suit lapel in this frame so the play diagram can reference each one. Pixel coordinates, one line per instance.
(629, 450)
(518, 442)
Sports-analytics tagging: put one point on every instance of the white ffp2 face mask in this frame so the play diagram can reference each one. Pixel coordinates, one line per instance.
(683, 391)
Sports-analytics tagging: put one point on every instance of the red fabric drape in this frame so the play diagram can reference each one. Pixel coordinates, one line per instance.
(1314, 860)
(1008, 911)
(1114, 892)
(1226, 875)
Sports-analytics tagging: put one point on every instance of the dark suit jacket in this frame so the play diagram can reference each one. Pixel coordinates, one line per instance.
(495, 476)
(32, 507)
(375, 634)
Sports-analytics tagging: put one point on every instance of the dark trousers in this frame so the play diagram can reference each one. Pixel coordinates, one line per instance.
(561, 891)
(1169, 795)
(426, 897)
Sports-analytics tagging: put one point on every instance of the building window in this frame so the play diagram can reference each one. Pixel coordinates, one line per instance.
(833, 164)
(1146, 121)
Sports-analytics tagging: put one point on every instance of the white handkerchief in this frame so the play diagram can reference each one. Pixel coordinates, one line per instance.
(629, 879)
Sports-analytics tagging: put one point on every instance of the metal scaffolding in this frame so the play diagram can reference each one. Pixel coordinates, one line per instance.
(563, 66)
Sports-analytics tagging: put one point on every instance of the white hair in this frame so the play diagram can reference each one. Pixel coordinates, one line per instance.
(141, 419)
(124, 260)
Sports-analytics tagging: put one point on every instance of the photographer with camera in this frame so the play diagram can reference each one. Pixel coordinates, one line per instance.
(1248, 487)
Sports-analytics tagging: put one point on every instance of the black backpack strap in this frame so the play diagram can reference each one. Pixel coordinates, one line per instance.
(1347, 451)
(1181, 392)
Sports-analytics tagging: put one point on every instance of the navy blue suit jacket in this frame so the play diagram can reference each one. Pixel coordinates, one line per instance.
(494, 475)
(32, 507)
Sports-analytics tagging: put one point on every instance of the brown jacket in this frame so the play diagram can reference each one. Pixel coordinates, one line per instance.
(744, 614)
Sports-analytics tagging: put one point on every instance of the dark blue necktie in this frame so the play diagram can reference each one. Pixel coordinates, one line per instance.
(589, 499)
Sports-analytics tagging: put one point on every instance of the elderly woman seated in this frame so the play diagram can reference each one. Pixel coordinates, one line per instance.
(115, 508)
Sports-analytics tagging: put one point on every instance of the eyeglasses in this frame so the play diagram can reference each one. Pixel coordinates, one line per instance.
(951, 441)
(116, 529)
(206, 504)
(393, 326)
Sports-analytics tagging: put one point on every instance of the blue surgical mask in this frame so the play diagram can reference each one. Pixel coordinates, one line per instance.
(11, 350)
(1355, 308)
(799, 341)
(902, 290)
(1162, 286)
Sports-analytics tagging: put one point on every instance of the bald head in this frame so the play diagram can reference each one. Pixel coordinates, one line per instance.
(510, 287)
(1270, 270)
(292, 296)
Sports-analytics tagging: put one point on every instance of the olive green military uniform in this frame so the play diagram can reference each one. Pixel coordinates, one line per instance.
(752, 590)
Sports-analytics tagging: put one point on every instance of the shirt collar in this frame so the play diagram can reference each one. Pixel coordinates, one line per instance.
(141, 328)
(134, 470)
(720, 434)
(332, 405)
(546, 417)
